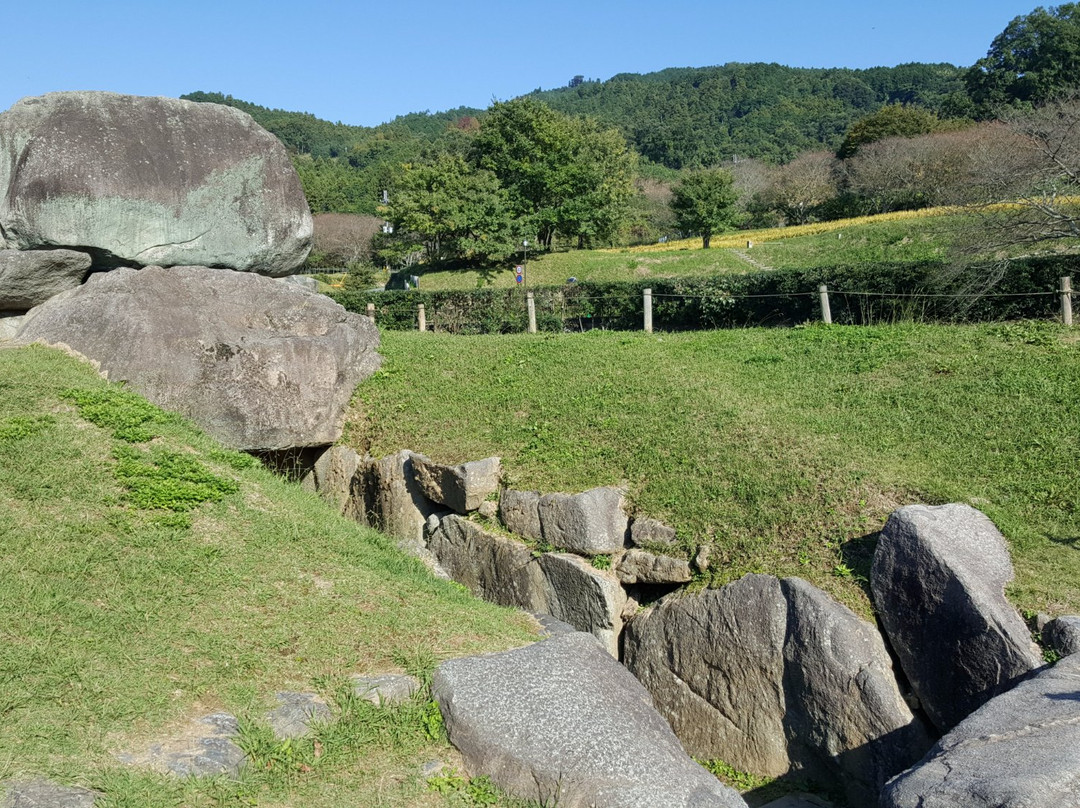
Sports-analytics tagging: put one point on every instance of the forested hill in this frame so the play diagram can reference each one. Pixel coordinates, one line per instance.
(702, 116)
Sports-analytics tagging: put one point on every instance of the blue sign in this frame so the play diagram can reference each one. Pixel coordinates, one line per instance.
(518, 272)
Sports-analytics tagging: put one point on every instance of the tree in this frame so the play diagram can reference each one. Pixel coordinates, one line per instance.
(342, 239)
(563, 175)
(800, 187)
(449, 210)
(1034, 59)
(894, 120)
(704, 202)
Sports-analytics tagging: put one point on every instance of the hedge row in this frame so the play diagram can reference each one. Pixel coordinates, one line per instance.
(772, 298)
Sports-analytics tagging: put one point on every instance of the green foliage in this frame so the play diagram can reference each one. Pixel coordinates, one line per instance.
(161, 478)
(130, 416)
(18, 427)
(1036, 58)
(894, 120)
(477, 791)
(704, 203)
(741, 781)
(601, 562)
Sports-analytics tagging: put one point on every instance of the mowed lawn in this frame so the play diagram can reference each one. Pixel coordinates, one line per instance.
(782, 450)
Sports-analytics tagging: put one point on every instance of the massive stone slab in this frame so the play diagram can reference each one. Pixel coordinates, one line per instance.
(563, 723)
(938, 580)
(1021, 748)
(774, 676)
(258, 364)
(29, 278)
(144, 181)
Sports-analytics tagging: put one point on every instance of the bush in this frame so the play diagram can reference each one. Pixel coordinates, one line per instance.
(874, 293)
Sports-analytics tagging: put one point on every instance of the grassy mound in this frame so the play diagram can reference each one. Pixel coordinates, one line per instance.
(149, 576)
(782, 450)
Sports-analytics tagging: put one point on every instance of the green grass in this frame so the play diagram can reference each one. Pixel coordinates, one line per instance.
(150, 576)
(784, 449)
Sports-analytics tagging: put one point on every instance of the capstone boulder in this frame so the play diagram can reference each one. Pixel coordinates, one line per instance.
(141, 181)
(258, 364)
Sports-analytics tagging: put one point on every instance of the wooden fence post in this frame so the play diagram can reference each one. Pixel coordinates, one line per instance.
(1066, 300)
(421, 316)
(371, 311)
(530, 304)
(648, 311)
(826, 312)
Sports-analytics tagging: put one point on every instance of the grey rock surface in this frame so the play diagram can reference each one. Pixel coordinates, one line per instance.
(591, 523)
(258, 364)
(1019, 750)
(1062, 634)
(303, 281)
(646, 533)
(387, 497)
(333, 477)
(562, 721)
(460, 488)
(774, 676)
(520, 512)
(938, 580)
(29, 278)
(296, 713)
(385, 689)
(505, 571)
(587, 598)
(206, 747)
(42, 793)
(144, 181)
(10, 323)
(642, 567)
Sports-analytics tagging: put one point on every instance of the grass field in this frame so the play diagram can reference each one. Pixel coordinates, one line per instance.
(148, 576)
(783, 450)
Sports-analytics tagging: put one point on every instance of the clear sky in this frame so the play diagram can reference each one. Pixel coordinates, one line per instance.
(365, 62)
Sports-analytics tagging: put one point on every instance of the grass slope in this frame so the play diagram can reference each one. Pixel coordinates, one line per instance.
(784, 450)
(127, 607)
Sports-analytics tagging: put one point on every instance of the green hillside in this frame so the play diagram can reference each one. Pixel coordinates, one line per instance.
(151, 577)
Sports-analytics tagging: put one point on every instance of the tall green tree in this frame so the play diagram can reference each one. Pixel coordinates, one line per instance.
(894, 120)
(704, 202)
(1036, 58)
(448, 210)
(563, 175)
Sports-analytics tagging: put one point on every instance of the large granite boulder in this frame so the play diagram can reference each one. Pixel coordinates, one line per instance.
(563, 723)
(1020, 749)
(461, 488)
(591, 523)
(258, 364)
(938, 580)
(149, 181)
(774, 677)
(29, 278)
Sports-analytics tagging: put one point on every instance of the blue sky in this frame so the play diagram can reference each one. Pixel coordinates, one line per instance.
(365, 62)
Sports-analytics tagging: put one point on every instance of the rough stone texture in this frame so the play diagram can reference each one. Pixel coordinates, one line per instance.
(460, 488)
(1019, 750)
(774, 676)
(385, 689)
(205, 749)
(303, 281)
(562, 721)
(504, 571)
(587, 598)
(258, 364)
(591, 523)
(938, 579)
(519, 511)
(387, 497)
(29, 278)
(641, 567)
(489, 509)
(332, 477)
(44, 794)
(798, 801)
(551, 627)
(10, 323)
(646, 532)
(1062, 634)
(143, 181)
(296, 713)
